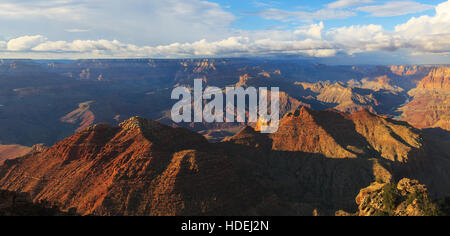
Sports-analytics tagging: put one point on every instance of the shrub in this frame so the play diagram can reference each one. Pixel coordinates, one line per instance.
(390, 198)
(424, 203)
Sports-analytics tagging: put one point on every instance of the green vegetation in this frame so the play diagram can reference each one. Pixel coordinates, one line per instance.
(379, 180)
(390, 198)
(424, 203)
(394, 202)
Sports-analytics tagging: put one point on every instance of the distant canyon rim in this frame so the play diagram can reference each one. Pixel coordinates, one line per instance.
(213, 112)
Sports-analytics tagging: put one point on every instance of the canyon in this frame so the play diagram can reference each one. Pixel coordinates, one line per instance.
(143, 167)
(342, 129)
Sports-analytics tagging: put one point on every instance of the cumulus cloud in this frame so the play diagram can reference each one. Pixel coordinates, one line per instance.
(428, 33)
(313, 31)
(233, 46)
(25, 43)
(366, 38)
(425, 34)
(349, 3)
(83, 46)
(396, 8)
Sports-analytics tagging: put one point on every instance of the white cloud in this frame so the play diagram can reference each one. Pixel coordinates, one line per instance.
(82, 46)
(313, 31)
(303, 16)
(428, 25)
(396, 8)
(25, 43)
(365, 38)
(425, 35)
(137, 21)
(349, 3)
(52, 9)
(77, 30)
(428, 33)
(233, 46)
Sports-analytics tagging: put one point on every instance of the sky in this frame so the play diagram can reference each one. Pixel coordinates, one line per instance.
(330, 31)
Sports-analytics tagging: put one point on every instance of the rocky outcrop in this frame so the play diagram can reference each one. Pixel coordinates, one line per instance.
(407, 198)
(38, 148)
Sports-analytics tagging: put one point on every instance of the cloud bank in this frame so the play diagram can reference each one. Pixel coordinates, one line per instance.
(428, 35)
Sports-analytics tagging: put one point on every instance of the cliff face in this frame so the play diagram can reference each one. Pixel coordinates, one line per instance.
(430, 105)
(403, 70)
(439, 78)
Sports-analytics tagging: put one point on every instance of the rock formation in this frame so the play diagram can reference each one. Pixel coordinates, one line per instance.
(317, 160)
(139, 168)
(407, 198)
(430, 104)
(376, 96)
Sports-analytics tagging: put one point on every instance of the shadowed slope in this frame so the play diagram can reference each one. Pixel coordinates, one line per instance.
(316, 160)
(139, 168)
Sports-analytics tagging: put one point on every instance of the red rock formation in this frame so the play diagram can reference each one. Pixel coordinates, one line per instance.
(139, 168)
(339, 135)
(439, 78)
(83, 117)
(366, 144)
(430, 106)
(357, 95)
(407, 70)
(315, 160)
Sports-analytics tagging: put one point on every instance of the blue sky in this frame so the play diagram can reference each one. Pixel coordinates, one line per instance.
(250, 22)
(334, 31)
